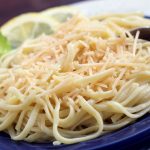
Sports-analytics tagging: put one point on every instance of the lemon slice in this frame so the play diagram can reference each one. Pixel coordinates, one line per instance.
(31, 25)
(27, 26)
(60, 14)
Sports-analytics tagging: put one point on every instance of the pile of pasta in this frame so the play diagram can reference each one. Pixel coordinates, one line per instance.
(89, 78)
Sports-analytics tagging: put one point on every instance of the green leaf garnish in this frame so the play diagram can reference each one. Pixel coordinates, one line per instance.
(4, 45)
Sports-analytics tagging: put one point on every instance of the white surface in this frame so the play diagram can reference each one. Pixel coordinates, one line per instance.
(93, 7)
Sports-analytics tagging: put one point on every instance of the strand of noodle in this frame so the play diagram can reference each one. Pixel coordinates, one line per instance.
(98, 95)
(122, 123)
(87, 108)
(116, 117)
(143, 75)
(133, 95)
(115, 65)
(135, 43)
(9, 119)
(48, 113)
(49, 130)
(28, 101)
(123, 91)
(117, 29)
(80, 122)
(77, 117)
(6, 59)
(120, 15)
(139, 107)
(145, 94)
(136, 108)
(49, 104)
(95, 78)
(4, 116)
(72, 51)
(64, 122)
(81, 132)
(36, 137)
(117, 80)
(16, 91)
(70, 133)
(20, 120)
(68, 84)
(44, 128)
(120, 108)
(29, 124)
(4, 76)
(128, 24)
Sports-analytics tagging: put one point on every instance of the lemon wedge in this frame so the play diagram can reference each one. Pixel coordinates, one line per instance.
(26, 26)
(31, 25)
(60, 14)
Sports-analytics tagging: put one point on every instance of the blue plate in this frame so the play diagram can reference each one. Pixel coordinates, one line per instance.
(123, 138)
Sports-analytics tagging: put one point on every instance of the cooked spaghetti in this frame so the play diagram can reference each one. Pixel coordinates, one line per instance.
(90, 78)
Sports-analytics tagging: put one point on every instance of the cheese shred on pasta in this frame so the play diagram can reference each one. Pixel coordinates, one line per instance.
(89, 78)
